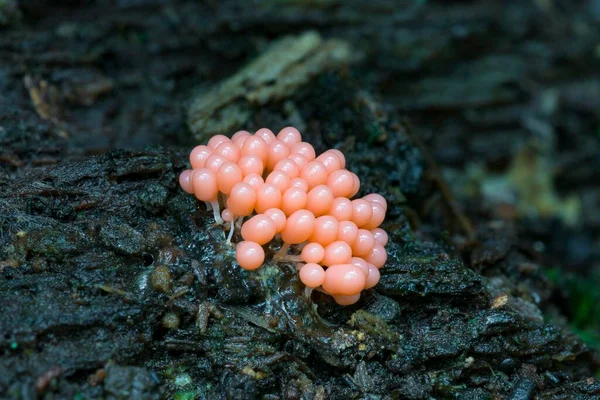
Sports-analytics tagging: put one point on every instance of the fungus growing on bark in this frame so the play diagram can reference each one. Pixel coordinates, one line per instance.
(293, 198)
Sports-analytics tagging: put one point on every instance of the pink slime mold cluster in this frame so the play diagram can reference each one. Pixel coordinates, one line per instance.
(275, 186)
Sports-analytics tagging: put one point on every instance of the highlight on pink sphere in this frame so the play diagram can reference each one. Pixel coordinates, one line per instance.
(298, 227)
(378, 256)
(298, 159)
(312, 275)
(319, 200)
(251, 165)
(346, 279)
(255, 146)
(185, 181)
(279, 179)
(239, 141)
(362, 211)
(227, 215)
(204, 182)
(228, 151)
(267, 196)
(377, 217)
(337, 252)
(299, 183)
(312, 253)
(363, 245)
(347, 232)
(292, 200)
(289, 167)
(254, 180)
(259, 229)
(356, 186)
(340, 155)
(249, 255)
(241, 200)
(228, 175)
(276, 151)
(376, 198)
(331, 161)
(240, 134)
(325, 231)
(290, 136)
(362, 264)
(344, 300)
(304, 149)
(199, 155)
(278, 218)
(214, 162)
(380, 236)
(373, 277)
(341, 209)
(216, 140)
(265, 134)
(341, 183)
(314, 173)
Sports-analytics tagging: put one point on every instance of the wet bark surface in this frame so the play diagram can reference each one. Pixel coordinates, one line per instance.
(116, 284)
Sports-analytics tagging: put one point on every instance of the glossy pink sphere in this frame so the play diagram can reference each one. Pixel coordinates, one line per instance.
(298, 227)
(249, 255)
(312, 275)
(260, 229)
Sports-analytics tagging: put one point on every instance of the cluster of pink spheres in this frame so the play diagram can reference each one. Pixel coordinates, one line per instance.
(291, 194)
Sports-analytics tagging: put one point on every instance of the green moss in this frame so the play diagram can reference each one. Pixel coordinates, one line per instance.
(184, 395)
(582, 303)
(373, 325)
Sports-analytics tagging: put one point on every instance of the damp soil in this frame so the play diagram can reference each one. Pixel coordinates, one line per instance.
(478, 122)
